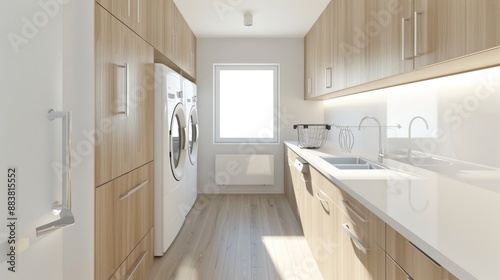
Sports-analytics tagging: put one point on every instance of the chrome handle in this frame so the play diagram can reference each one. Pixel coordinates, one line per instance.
(403, 37)
(62, 209)
(138, 11)
(66, 155)
(133, 190)
(415, 31)
(128, 8)
(127, 89)
(351, 209)
(136, 265)
(309, 86)
(354, 238)
(328, 77)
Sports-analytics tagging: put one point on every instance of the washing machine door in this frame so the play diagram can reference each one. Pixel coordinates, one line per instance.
(193, 134)
(178, 142)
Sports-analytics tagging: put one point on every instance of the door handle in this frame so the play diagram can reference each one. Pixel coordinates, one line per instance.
(63, 209)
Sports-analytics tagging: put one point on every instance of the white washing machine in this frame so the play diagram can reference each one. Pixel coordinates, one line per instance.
(170, 158)
(189, 90)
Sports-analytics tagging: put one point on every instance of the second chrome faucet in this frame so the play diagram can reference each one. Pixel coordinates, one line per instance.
(381, 154)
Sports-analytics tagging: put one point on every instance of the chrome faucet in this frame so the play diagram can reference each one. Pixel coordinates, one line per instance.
(409, 133)
(381, 154)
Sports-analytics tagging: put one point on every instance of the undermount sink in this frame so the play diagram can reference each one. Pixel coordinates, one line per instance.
(352, 163)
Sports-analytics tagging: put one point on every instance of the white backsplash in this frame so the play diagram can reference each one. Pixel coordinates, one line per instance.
(462, 111)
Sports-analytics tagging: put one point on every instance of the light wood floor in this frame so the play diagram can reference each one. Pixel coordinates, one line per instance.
(238, 237)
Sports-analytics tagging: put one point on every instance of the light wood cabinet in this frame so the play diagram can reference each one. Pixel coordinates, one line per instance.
(133, 13)
(357, 42)
(137, 264)
(309, 62)
(323, 61)
(343, 247)
(124, 215)
(290, 179)
(440, 31)
(389, 29)
(483, 24)
(393, 271)
(124, 99)
(411, 259)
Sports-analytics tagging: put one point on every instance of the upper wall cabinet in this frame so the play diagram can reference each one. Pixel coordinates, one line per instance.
(360, 41)
(170, 34)
(483, 24)
(133, 13)
(439, 31)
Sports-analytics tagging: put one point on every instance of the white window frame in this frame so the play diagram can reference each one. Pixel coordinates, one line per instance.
(276, 93)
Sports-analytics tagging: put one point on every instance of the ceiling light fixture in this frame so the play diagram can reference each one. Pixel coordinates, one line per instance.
(248, 19)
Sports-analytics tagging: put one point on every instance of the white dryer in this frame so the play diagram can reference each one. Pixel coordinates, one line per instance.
(189, 90)
(170, 158)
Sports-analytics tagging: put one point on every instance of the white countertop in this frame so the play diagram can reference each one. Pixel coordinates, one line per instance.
(455, 223)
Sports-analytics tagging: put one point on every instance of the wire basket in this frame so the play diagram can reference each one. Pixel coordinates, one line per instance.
(312, 136)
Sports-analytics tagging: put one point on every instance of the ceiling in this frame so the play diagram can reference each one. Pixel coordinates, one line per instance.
(271, 18)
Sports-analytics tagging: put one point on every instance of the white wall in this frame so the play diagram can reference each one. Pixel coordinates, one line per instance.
(289, 53)
(462, 112)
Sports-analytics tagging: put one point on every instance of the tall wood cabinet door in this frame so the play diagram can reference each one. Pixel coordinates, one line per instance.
(309, 63)
(483, 24)
(157, 28)
(323, 55)
(124, 99)
(338, 14)
(440, 28)
(188, 50)
(391, 41)
(356, 44)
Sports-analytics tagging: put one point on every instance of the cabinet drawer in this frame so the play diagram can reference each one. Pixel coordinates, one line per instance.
(362, 217)
(410, 258)
(393, 271)
(137, 264)
(123, 216)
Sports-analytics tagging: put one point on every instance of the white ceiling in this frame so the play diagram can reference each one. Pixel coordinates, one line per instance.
(271, 18)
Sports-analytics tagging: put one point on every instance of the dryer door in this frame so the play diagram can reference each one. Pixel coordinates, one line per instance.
(193, 135)
(178, 147)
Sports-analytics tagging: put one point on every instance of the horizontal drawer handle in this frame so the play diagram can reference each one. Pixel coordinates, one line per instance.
(354, 238)
(135, 266)
(423, 253)
(130, 192)
(350, 209)
(319, 197)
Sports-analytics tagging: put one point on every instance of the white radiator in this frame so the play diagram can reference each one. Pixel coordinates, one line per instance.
(248, 170)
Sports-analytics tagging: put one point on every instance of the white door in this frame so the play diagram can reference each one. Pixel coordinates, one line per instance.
(31, 84)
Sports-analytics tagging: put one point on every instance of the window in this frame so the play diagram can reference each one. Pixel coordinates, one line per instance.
(246, 103)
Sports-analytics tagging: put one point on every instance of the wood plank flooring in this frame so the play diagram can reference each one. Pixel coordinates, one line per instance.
(238, 237)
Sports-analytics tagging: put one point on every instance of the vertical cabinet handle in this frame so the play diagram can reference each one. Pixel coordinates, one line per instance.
(415, 31)
(62, 209)
(128, 8)
(138, 11)
(126, 111)
(135, 266)
(403, 37)
(328, 77)
(354, 238)
(309, 86)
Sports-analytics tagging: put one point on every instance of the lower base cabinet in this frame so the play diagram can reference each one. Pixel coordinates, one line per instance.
(347, 240)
